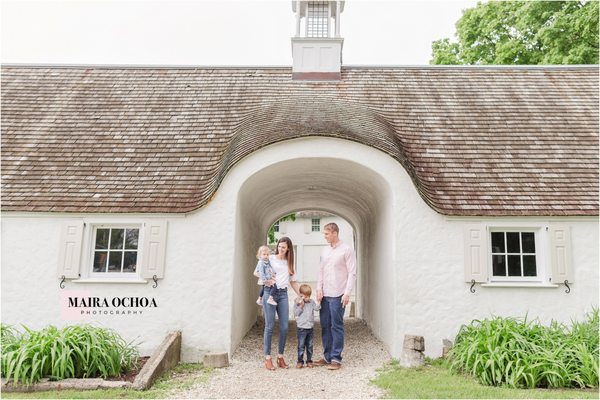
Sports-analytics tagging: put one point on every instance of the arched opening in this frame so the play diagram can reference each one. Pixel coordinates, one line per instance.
(350, 189)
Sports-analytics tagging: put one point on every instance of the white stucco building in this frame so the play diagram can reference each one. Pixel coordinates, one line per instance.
(471, 191)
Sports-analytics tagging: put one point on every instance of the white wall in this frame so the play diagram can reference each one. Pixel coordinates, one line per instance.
(434, 300)
(411, 278)
(188, 298)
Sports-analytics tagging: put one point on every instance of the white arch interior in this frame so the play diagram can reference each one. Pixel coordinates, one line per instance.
(332, 182)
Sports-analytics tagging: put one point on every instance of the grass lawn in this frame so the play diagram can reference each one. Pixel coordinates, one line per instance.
(434, 380)
(183, 376)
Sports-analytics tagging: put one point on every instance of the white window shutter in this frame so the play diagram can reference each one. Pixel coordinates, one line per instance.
(153, 252)
(69, 255)
(476, 253)
(560, 253)
(282, 227)
(307, 225)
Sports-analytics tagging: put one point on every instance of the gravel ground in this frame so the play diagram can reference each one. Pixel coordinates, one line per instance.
(247, 378)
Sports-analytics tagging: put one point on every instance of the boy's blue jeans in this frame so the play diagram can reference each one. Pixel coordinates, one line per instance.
(305, 341)
(332, 328)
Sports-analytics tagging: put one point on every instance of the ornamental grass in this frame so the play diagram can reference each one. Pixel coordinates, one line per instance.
(78, 351)
(525, 354)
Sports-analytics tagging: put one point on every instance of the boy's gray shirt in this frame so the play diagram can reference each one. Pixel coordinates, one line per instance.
(305, 317)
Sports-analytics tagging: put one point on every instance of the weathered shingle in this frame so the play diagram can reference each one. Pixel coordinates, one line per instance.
(475, 140)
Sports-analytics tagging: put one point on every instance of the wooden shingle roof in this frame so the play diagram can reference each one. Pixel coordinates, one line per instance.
(486, 141)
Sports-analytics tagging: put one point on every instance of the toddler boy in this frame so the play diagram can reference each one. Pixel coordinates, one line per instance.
(304, 310)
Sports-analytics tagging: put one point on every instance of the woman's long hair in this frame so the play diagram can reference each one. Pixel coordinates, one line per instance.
(290, 253)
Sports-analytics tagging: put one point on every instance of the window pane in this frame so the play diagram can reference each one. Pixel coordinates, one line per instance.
(102, 238)
(116, 239)
(130, 263)
(499, 265)
(131, 239)
(514, 265)
(512, 243)
(317, 19)
(528, 242)
(315, 224)
(497, 242)
(529, 268)
(100, 261)
(114, 261)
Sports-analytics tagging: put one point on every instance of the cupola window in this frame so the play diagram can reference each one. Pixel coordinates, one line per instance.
(317, 20)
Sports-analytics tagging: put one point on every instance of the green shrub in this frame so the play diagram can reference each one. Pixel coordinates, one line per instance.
(521, 353)
(9, 337)
(79, 351)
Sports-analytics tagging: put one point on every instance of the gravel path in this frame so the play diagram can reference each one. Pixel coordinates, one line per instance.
(247, 378)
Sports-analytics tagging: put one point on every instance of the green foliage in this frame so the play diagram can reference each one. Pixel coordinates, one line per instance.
(271, 234)
(520, 353)
(523, 32)
(80, 351)
(435, 381)
(9, 337)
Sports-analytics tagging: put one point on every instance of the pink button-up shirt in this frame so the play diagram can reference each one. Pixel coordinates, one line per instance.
(337, 270)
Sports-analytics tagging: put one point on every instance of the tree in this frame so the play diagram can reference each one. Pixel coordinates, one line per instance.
(523, 32)
(271, 232)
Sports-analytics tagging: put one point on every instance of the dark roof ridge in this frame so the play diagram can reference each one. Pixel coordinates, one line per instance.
(141, 66)
(486, 66)
(348, 67)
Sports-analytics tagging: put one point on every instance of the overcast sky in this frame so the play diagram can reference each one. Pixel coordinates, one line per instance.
(213, 32)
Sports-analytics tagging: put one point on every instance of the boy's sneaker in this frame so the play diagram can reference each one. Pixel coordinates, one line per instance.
(299, 365)
(259, 301)
(271, 301)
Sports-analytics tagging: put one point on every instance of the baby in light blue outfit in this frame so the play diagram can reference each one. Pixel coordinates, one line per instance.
(264, 271)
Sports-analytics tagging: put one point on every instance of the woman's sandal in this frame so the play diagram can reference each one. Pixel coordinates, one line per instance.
(281, 363)
(269, 364)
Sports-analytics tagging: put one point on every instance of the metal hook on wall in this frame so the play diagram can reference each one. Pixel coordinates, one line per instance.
(566, 282)
(62, 280)
(472, 288)
(155, 279)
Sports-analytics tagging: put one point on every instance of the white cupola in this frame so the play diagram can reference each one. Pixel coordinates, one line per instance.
(317, 48)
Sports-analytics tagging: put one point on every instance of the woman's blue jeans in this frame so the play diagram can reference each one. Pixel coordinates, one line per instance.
(282, 309)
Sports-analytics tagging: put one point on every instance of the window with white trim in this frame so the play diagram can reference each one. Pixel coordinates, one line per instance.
(315, 225)
(115, 250)
(514, 255)
(502, 253)
(276, 227)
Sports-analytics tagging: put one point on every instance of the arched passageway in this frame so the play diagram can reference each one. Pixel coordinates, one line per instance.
(330, 182)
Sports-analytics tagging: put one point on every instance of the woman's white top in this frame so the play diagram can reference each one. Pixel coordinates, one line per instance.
(280, 267)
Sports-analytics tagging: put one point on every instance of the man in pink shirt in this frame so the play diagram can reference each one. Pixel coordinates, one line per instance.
(337, 274)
